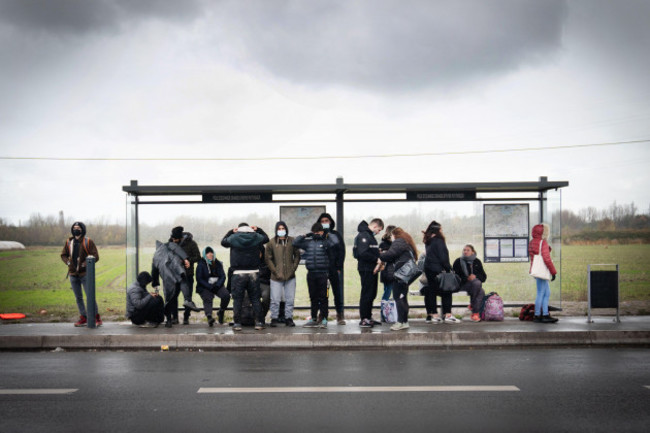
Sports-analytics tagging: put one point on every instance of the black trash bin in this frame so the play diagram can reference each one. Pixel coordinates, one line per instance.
(602, 289)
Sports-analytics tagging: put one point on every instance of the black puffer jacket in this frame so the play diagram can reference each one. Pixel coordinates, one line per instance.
(367, 248)
(398, 253)
(437, 256)
(316, 252)
(337, 249)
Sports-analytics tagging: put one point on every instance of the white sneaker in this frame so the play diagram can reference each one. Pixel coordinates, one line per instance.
(436, 320)
(451, 319)
(399, 326)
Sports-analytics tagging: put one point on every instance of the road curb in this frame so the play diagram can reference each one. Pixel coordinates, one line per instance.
(327, 341)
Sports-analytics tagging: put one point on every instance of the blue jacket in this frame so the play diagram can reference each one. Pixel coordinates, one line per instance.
(316, 252)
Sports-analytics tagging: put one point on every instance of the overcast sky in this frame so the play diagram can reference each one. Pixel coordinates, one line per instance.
(255, 79)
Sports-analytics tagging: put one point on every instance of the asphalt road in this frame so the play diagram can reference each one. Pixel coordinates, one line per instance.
(570, 390)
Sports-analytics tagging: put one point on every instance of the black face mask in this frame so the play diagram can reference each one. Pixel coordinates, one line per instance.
(76, 232)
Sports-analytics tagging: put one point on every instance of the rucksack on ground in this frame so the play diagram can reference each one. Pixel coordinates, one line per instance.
(527, 313)
(492, 308)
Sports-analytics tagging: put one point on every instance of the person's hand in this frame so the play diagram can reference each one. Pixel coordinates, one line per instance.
(235, 229)
(254, 228)
(155, 295)
(553, 278)
(472, 277)
(187, 264)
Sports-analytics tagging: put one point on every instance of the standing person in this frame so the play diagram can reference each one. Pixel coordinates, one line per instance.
(244, 242)
(282, 259)
(193, 256)
(143, 307)
(337, 260)
(388, 269)
(265, 284)
(317, 261)
(436, 261)
(366, 251)
(170, 263)
(402, 250)
(539, 245)
(75, 252)
(472, 277)
(210, 279)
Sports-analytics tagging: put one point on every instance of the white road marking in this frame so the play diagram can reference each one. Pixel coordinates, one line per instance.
(37, 391)
(462, 388)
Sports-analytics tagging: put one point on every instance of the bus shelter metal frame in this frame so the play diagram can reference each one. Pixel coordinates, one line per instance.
(344, 193)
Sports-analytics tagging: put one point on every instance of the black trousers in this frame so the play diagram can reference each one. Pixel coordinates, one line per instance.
(317, 283)
(153, 311)
(249, 283)
(337, 290)
(430, 301)
(369, 282)
(187, 295)
(400, 295)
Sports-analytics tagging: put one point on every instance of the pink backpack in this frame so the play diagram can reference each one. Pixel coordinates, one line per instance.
(492, 308)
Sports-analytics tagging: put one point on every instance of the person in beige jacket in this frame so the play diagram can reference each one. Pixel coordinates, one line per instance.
(282, 258)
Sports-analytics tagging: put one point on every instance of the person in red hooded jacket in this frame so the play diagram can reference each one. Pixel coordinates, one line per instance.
(540, 240)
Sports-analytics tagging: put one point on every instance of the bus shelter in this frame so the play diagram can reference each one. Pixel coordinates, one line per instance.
(543, 195)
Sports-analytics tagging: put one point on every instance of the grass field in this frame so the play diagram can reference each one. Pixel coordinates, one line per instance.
(34, 279)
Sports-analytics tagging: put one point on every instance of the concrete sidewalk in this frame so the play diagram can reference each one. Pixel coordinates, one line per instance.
(570, 331)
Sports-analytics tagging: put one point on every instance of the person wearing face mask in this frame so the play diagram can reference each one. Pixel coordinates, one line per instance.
(337, 255)
(472, 277)
(317, 261)
(366, 251)
(75, 251)
(282, 259)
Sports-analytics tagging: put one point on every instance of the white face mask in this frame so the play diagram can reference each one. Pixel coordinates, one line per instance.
(282, 233)
(325, 226)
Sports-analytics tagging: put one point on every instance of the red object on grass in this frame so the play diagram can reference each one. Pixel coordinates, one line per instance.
(12, 316)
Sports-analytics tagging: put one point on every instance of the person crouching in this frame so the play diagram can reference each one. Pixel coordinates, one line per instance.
(143, 307)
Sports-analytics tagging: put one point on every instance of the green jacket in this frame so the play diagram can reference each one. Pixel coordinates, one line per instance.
(282, 258)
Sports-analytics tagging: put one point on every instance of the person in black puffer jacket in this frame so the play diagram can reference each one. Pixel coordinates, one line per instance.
(337, 260)
(317, 261)
(388, 269)
(437, 261)
(401, 251)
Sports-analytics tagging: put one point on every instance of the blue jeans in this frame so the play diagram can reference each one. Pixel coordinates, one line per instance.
(543, 295)
(76, 283)
(388, 290)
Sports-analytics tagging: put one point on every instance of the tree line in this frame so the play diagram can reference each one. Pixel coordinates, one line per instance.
(617, 223)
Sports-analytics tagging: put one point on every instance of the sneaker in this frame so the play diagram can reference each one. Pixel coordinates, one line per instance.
(451, 319)
(186, 321)
(236, 327)
(323, 323)
(211, 321)
(475, 317)
(375, 323)
(83, 321)
(537, 319)
(436, 320)
(175, 321)
(259, 326)
(274, 323)
(149, 325)
(289, 322)
(191, 305)
(98, 320)
(397, 327)
(340, 319)
(365, 323)
(311, 324)
(549, 319)
(168, 324)
(428, 320)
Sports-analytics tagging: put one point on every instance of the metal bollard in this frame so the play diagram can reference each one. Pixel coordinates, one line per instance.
(90, 291)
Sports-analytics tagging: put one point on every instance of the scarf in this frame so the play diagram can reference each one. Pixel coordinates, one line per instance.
(466, 264)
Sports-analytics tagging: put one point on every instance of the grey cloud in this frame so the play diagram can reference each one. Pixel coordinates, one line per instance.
(75, 17)
(386, 44)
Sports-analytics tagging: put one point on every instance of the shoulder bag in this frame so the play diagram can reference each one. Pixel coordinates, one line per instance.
(408, 272)
(539, 269)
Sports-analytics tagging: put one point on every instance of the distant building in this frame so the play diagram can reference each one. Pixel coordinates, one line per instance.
(11, 245)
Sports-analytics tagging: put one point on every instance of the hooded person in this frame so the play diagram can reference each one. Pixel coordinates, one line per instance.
(366, 251)
(169, 263)
(193, 256)
(245, 242)
(143, 307)
(337, 261)
(282, 258)
(210, 279)
(76, 250)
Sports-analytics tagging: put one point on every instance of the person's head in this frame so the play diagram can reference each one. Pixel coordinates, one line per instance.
(376, 225)
(317, 229)
(399, 233)
(78, 229)
(281, 229)
(144, 278)
(468, 250)
(387, 233)
(326, 221)
(177, 234)
(434, 229)
(208, 254)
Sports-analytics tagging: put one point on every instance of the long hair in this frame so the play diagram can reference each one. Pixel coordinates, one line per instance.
(399, 233)
(388, 231)
(434, 228)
